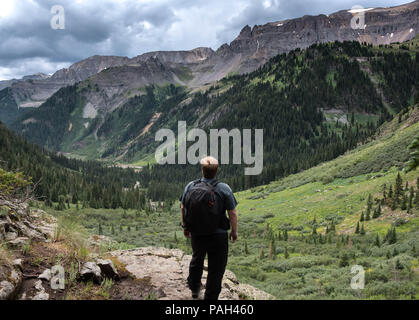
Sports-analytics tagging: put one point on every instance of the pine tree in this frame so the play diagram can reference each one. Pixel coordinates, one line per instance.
(246, 249)
(369, 202)
(399, 265)
(262, 254)
(286, 254)
(272, 250)
(344, 260)
(362, 232)
(357, 228)
(377, 241)
(377, 211)
(398, 188)
(391, 236)
(362, 217)
(403, 204)
(390, 192)
(410, 201)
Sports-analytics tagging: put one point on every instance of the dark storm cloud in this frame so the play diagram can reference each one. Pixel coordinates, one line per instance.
(131, 27)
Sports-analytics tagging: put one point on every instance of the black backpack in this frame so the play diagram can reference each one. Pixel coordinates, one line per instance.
(204, 212)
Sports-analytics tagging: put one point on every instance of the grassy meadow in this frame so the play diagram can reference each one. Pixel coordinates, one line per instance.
(298, 235)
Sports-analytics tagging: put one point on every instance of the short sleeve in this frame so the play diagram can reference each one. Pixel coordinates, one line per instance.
(182, 197)
(230, 201)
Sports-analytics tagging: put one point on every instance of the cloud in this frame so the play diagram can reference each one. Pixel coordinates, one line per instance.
(131, 27)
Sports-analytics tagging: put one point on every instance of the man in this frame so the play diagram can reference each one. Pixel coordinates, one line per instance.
(213, 242)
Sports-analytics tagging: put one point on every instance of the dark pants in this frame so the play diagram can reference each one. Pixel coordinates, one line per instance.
(216, 246)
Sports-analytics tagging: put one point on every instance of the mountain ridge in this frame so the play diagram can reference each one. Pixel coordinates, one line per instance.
(252, 48)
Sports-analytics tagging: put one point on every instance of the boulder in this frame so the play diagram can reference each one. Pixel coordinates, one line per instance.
(10, 236)
(18, 263)
(41, 294)
(91, 271)
(46, 275)
(107, 269)
(18, 242)
(10, 284)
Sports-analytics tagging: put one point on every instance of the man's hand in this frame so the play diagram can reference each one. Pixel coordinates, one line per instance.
(234, 236)
(186, 233)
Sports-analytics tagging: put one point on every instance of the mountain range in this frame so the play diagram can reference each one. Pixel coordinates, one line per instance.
(251, 49)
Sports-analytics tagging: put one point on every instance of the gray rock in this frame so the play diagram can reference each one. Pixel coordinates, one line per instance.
(107, 269)
(41, 294)
(38, 286)
(18, 263)
(6, 290)
(10, 287)
(18, 242)
(91, 271)
(11, 236)
(46, 275)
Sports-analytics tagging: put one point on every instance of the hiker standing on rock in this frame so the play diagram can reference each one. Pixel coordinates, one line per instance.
(204, 205)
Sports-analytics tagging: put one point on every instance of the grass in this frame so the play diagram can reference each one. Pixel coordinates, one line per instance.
(303, 265)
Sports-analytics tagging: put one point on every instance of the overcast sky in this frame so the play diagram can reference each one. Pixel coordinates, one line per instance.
(28, 43)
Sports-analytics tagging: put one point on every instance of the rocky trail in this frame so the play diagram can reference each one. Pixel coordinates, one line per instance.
(33, 249)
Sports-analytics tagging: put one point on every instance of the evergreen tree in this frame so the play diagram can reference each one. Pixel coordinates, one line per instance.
(344, 260)
(377, 211)
(362, 232)
(272, 253)
(357, 228)
(377, 241)
(403, 204)
(398, 188)
(410, 201)
(286, 254)
(262, 254)
(246, 250)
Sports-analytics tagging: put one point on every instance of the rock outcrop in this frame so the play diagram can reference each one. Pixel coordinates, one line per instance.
(167, 271)
(17, 228)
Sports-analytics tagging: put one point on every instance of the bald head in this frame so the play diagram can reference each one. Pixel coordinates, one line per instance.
(209, 167)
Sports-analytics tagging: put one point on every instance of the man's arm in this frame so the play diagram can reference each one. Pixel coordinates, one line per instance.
(232, 214)
(185, 232)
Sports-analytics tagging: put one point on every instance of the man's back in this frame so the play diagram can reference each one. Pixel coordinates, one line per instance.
(224, 195)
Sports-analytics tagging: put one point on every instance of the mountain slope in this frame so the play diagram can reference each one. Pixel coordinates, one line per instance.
(313, 104)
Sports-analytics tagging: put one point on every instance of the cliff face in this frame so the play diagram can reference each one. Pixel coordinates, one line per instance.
(252, 48)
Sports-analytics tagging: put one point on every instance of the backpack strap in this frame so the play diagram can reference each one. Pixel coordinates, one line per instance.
(215, 183)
